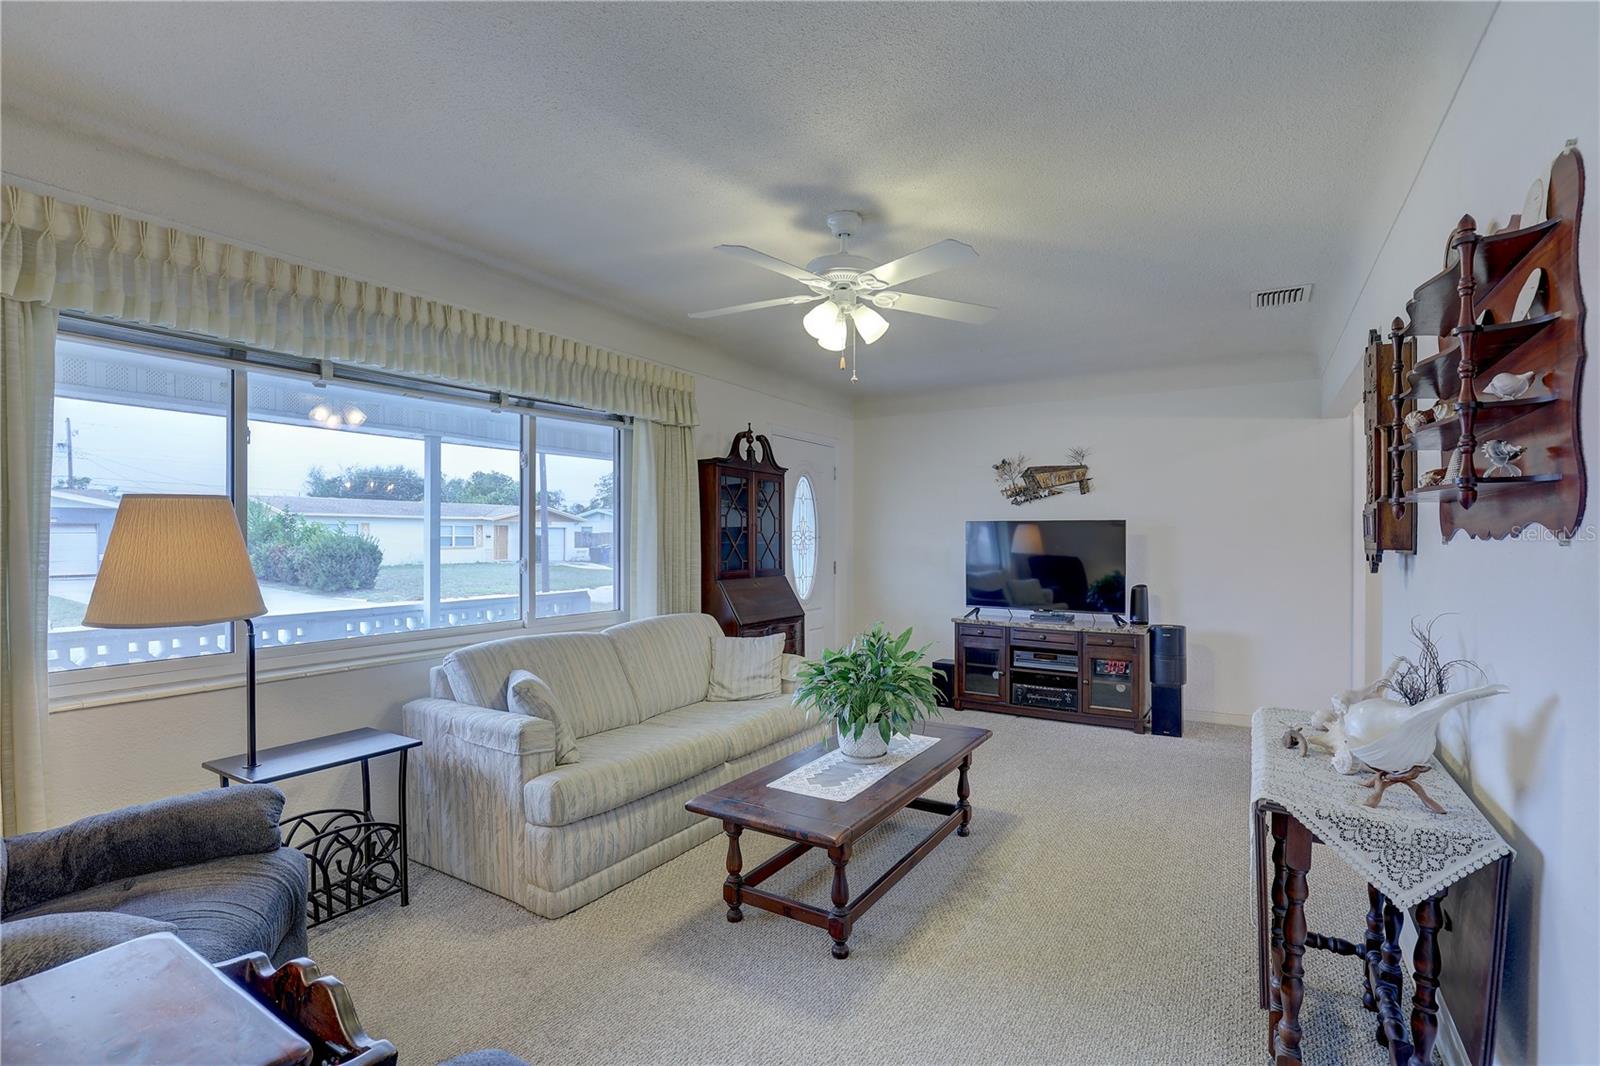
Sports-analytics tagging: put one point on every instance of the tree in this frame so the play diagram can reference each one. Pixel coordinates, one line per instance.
(553, 498)
(366, 483)
(483, 486)
(604, 491)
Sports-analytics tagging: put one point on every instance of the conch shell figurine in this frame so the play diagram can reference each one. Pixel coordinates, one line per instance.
(1397, 741)
(1508, 386)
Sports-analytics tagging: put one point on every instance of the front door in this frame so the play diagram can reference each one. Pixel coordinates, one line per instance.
(811, 496)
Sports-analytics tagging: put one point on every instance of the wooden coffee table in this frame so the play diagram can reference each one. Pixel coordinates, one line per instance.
(835, 826)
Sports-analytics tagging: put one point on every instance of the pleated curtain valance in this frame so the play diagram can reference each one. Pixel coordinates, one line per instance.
(75, 258)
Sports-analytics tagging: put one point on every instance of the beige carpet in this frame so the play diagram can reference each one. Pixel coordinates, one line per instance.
(1101, 912)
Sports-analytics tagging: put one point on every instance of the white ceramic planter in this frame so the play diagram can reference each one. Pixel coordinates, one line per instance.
(869, 748)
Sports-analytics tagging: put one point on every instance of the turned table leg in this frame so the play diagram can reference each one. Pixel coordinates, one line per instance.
(839, 917)
(1391, 980)
(963, 794)
(1426, 967)
(1291, 987)
(1372, 946)
(731, 887)
(1275, 935)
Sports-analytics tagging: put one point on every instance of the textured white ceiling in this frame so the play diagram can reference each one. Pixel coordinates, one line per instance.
(1129, 173)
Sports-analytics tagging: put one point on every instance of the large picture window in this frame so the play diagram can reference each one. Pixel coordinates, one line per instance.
(370, 510)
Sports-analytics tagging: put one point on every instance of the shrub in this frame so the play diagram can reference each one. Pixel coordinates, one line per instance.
(288, 550)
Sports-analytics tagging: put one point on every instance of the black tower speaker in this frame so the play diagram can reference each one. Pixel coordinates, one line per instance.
(1139, 611)
(944, 681)
(1169, 669)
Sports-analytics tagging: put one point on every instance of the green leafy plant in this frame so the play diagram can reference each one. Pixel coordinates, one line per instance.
(877, 682)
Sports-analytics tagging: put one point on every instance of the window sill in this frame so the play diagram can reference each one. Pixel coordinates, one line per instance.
(139, 682)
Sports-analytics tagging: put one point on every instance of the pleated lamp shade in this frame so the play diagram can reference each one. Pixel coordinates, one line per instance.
(174, 561)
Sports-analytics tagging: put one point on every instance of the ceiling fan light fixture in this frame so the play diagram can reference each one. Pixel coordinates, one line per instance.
(869, 324)
(835, 338)
(823, 320)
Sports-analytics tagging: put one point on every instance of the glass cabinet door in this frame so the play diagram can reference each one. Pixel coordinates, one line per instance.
(768, 546)
(1111, 679)
(733, 524)
(982, 669)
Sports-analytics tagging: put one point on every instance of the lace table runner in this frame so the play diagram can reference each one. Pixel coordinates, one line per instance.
(836, 777)
(1406, 850)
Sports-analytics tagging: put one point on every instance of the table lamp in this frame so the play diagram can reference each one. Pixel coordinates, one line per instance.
(179, 560)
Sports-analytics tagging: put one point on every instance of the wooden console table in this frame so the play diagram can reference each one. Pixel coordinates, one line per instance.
(1411, 857)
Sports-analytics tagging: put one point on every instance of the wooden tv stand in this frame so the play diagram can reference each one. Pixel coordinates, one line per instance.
(1023, 667)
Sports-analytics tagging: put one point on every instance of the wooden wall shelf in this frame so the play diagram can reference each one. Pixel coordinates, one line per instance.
(1438, 376)
(1470, 305)
(1445, 434)
(1435, 310)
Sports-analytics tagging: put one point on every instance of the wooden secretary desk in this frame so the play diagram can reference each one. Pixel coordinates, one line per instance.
(744, 554)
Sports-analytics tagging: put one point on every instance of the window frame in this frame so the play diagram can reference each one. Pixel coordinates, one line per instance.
(96, 686)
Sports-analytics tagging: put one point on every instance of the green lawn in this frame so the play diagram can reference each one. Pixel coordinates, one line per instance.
(65, 612)
(456, 580)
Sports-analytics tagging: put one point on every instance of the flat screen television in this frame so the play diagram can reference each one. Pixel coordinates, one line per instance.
(1048, 566)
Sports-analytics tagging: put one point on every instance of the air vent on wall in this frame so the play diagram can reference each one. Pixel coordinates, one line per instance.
(1292, 294)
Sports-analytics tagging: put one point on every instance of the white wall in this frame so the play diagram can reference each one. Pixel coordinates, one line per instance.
(1528, 610)
(1234, 492)
(102, 757)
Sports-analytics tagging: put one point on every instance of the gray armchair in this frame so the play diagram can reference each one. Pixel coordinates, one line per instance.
(208, 867)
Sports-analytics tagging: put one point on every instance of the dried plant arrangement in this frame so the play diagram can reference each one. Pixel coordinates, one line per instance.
(1429, 674)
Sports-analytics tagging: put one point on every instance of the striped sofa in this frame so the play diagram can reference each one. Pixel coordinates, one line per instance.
(489, 804)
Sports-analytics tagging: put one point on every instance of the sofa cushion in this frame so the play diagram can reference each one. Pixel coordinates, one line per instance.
(743, 725)
(43, 942)
(667, 659)
(528, 694)
(583, 669)
(746, 668)
(222, 908)
(561, 856)
(622, 765)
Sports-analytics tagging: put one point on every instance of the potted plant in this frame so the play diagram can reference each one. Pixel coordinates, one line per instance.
(874, 688)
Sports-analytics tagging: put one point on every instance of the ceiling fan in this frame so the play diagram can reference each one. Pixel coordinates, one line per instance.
(849, 290)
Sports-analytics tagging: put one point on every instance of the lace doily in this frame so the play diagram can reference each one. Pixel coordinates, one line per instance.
(835, 777)
(1406, 850)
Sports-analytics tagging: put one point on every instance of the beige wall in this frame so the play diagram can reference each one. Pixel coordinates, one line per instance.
(1528, 610)
(1235, 495)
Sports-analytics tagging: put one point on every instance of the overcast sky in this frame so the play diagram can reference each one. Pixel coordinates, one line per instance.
(139, 449)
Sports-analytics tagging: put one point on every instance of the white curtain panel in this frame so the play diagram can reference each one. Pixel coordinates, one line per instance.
(665, 498)
(76, 258)
(27, 391)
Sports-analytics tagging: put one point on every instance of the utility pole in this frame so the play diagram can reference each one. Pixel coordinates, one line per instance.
(544, 525)
(72, 482)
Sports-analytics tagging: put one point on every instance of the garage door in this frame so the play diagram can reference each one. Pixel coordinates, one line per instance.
(74, 551)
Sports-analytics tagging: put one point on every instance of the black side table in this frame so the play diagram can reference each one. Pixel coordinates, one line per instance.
(355, 859)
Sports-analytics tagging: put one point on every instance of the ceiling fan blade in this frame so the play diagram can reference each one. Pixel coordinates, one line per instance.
(767, 262)
(934, 257)
(781, 301)
(955, 310)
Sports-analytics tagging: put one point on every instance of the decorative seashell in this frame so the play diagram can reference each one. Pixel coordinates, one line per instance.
(1442, 409)
(1429, 478)
(1508, 386)
(1391, 736)
(1415, 420)
(1452, 469)
(1501, 455)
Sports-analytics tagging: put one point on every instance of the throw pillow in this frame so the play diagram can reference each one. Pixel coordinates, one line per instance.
(746, 668)
(527, 693)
